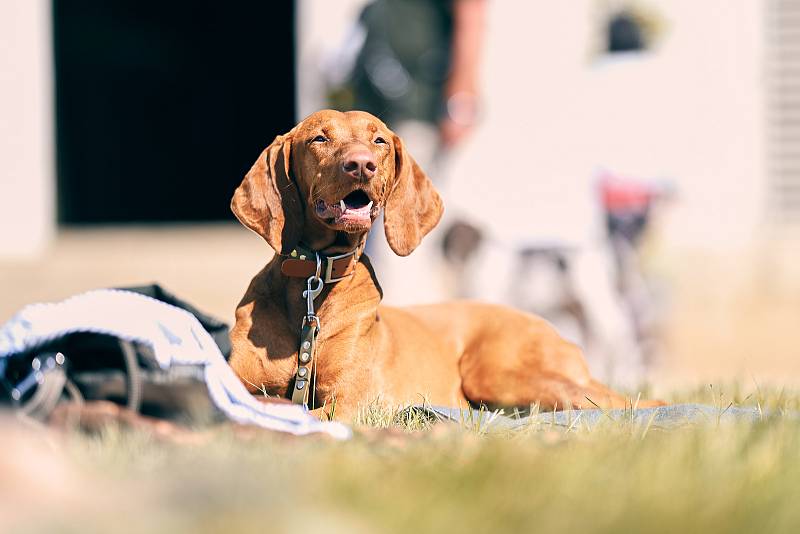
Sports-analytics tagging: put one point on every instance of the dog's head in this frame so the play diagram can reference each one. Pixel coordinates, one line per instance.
(325, 182)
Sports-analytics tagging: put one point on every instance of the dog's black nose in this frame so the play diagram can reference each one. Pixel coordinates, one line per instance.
(360, 164)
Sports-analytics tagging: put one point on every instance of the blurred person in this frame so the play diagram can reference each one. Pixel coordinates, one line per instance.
(414, 63)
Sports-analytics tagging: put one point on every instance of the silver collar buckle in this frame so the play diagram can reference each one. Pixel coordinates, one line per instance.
(329, 267)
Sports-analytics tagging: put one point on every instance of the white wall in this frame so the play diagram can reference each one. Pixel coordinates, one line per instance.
(690, 111)
(27, 183)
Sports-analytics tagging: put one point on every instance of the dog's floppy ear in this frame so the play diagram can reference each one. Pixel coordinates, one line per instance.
(268, 201)
(413, 206)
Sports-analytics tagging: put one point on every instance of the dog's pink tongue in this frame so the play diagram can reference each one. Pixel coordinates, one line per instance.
(356, 214)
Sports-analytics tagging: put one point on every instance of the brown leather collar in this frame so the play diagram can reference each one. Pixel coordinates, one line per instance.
(303, 264)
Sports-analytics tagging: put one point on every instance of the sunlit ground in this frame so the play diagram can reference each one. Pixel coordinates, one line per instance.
(208, 265)
(734, 318)
(402, 475)
(732, 340)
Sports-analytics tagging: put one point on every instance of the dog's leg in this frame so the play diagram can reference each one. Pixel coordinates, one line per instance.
(554, 379)
(600, 389)
(549, 391)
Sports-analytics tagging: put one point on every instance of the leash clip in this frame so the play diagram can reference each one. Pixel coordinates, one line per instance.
(312, 292)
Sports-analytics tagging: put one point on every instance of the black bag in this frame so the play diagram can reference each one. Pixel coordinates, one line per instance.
(103, 367)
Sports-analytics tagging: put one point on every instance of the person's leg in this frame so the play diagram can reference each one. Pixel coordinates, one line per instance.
(613, 354)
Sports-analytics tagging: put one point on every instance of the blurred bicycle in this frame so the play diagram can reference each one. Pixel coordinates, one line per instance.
(628, 205)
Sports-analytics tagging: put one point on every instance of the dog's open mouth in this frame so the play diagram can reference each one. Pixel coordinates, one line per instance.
(355, 209)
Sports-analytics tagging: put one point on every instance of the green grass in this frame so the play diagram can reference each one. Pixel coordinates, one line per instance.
(402, 474)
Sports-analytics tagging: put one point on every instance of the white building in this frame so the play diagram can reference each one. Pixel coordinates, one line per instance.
(712, 106)
(692, 109)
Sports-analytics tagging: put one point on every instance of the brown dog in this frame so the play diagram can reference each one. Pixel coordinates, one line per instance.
(318, 189)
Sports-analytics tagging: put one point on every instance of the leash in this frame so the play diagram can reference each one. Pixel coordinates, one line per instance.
(308, 339)
(299, 265)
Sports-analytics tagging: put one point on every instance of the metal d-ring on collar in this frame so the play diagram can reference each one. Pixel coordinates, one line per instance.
(308, 338)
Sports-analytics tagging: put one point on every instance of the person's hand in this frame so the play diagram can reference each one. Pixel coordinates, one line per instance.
(461, 110)
(461, 100)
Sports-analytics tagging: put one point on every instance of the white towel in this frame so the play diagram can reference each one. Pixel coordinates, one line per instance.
(175, 336)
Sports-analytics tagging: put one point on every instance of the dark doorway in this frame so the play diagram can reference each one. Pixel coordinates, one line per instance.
(162, 106)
